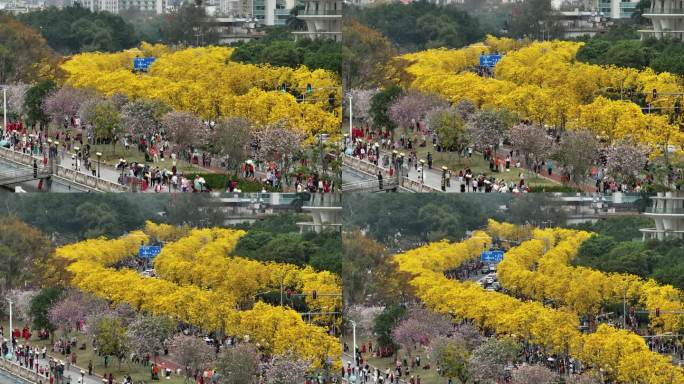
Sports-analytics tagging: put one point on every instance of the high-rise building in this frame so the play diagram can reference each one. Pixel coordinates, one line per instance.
(617, 9)
(667, 17)
(156, 6)
(114, 6)
(668, 213)
(323, 19)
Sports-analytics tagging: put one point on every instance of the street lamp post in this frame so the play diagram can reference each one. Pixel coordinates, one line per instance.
(11, 328)
(99, 155)
(123, 167)
(76, 158)
(351, 117)
(4, 108)
(353, 324)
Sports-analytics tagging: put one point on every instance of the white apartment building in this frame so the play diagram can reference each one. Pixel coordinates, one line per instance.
(667, 18)
(111, 6)
(115, 6)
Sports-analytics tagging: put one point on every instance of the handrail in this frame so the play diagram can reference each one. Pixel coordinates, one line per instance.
(20, 372)
(84, 179)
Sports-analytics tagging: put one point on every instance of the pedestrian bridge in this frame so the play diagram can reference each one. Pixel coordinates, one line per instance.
(403, 184)
(371, 186)
(15, 176)
(58, 172)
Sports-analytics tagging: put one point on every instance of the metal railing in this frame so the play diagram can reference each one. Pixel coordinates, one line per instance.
(71, 175)
(665, 211)
(333, 12)
(372, 170)
(673, 11)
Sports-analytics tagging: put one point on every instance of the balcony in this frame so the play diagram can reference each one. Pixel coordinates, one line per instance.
(665, 211)
(674, 12)
(332, 14)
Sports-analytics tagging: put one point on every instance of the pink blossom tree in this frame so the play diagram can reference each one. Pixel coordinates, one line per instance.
(625, 160)
(284, 369)
(533, 374)
(65, 103)
(576, 154)
(192, 353)
(488, 127)
(531, 140)
(74, 306)
(413, 106)
(184, 128)
(16, 94)
(278, 142)
(361, 103)
(420, 327)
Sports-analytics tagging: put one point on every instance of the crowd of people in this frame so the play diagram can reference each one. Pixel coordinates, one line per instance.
(401, 155)
(160, 171)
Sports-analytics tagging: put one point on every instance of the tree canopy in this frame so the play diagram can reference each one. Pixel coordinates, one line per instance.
(75, 29)
(421, 24)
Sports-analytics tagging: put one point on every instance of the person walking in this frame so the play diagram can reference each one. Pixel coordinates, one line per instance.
(380, 180)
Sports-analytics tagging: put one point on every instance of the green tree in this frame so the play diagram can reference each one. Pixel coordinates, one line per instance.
(594, 249)
(33, 103)
(361, 257)
(385, 323)
(107, 123)
(326, 250)
(24, 54)
(74, 29)
(451, 355)
(109, 335)
(451, 130)
(422, 24)
(23, 250)
(380, 104)
(630, 257)
(282, 54)
(40, 306)
(365, 54)
(286, 248)
(189, 25)
(642, 7)
(535, 19)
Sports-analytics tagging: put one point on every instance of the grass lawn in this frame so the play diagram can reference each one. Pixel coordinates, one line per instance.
(427, 376)
(478, 165)
(136, 371)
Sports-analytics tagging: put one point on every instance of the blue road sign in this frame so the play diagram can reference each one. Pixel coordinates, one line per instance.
(489, 61)
(149, 251)
(491, 257)
(142, 63)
